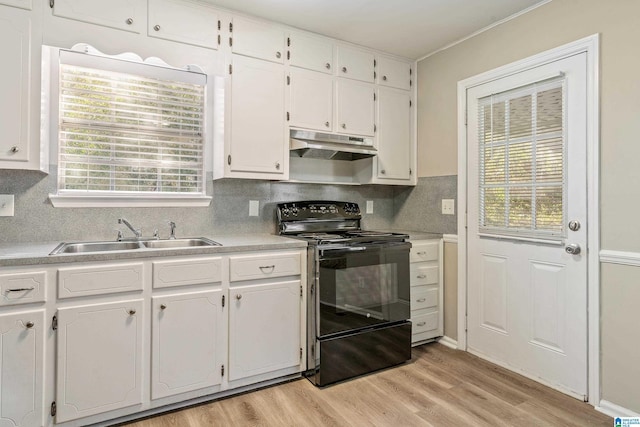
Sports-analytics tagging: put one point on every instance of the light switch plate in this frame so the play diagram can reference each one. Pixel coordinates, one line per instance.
(6, 205)
(254, 207)
(369, 206)
(448, 206)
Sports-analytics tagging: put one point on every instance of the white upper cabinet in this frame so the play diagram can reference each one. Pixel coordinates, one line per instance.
(257, 39)
(184, 21)
(355, 64)
(393, 73)
(20, 89)
(257, 140)
(355, 108)
(311, 52)
(311, 100)
(394, 134)
(23, 4)
(125, 15)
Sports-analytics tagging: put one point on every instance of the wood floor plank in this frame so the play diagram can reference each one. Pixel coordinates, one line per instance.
(439, 387)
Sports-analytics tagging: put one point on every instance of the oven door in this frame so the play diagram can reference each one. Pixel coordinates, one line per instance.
(362, 286)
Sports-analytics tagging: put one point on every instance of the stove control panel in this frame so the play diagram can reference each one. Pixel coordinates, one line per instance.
(297, 211)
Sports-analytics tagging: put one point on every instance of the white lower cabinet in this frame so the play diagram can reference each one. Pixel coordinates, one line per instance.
(264, 328)
(188, 342)
(99, 358)
(22, 369)
(426, 290)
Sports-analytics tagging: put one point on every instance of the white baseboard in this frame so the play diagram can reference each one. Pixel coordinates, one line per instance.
(449, 342)
(614, 410)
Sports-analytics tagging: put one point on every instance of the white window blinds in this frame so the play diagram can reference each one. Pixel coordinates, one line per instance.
(522, 161)
(129, 128)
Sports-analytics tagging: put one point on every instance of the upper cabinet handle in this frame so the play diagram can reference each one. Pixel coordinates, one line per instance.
(344, 69)
(29, 325)
(384, 78)
(327, 66)
(278, 55)
(132, 312)
(129, 21)
(156, 27)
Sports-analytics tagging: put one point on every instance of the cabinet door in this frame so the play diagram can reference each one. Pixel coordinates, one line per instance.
(99, 360)
(15, 40)
(311, 52)
(394, 134)
(264, 328)
(258, 141)
(355, 64)
(257, 39)
(22, 369)
(183, 21)
(23, 4)
(393, 73)
(188, 342)
(311, 100)
(355, 108)
(125, 15)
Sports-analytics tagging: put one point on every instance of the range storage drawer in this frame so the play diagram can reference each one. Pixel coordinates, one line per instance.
(22, 288)
(424, 274)
(100, 279)
(252, 267)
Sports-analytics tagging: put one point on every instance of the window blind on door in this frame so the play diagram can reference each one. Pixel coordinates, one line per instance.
(129, 128)
(522, 143)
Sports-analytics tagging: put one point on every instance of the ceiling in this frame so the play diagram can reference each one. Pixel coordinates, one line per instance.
(409, 28)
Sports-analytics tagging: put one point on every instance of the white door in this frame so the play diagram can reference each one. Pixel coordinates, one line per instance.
(188, 342)
(526, 172)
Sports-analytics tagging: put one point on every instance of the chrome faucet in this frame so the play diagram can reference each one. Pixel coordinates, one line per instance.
(137, 233)
(172, 228)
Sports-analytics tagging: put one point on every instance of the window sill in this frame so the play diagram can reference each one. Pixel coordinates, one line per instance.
(84, 201)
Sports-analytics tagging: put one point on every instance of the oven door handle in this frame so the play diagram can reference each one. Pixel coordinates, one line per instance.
(335, 251)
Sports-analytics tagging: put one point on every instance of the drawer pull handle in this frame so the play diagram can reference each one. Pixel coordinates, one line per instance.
(421, 276)
(421, 324)
(421, 253)
(267, 268)
(239, 297)
(19, 289)
(132, 312)
(29, 325)
(421, 300)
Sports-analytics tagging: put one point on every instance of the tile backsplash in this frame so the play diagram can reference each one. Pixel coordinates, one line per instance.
(36, 220)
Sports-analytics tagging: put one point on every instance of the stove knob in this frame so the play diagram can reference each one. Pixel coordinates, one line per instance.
(294, 211)
(285, 211)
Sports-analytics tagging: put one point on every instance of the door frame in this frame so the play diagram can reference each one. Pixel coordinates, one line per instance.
(590, 46)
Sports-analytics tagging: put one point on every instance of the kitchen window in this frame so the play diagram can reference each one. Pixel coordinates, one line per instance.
(128, 132)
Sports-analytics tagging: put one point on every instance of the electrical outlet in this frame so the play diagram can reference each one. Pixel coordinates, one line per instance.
(369, 206)
(6, 205)
(448, 206)
(254, 207)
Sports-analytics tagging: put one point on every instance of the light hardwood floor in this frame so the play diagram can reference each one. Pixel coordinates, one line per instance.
(438, 387)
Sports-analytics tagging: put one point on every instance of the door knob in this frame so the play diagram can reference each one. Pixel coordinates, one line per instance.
(573, 249)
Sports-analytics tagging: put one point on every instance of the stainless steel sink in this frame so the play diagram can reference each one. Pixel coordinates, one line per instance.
(179, 243)
(133, 245)
(84, 247)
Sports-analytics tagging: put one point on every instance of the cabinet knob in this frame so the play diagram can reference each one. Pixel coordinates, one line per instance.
(344, 69)
(278, 165)
(14, 149)
(29, 325)
(132, 312)
(238, 297)
(156, 27)
(383, 172)
(129, 21)
(327, 66)
(384, 78)
(278, 55)
(344, 126)
(326, 124)
(163, 307)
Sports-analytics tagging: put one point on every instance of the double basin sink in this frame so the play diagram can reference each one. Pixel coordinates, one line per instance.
(131, 245)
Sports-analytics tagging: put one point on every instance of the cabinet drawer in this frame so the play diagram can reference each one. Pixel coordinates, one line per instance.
(393, 73)
(424, 322)
(102, 279)
(183, 21)
(427, 251)
(186, 272)
(424, 274)
(251, 267)
(423, 297)
(355, 64)
(22, 288)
